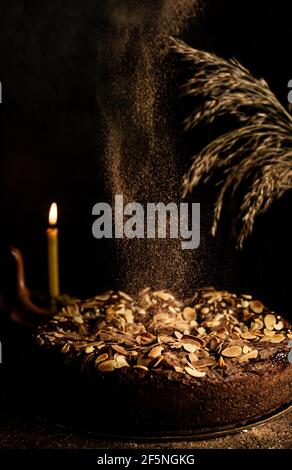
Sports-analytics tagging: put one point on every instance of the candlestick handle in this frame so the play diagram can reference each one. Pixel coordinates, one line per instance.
(23, 292)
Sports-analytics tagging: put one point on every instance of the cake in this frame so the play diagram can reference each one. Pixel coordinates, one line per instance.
(154, 362)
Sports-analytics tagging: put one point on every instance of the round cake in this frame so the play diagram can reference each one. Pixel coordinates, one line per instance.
(154, 362)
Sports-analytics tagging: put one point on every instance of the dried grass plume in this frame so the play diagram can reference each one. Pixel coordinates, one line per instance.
(257, 152)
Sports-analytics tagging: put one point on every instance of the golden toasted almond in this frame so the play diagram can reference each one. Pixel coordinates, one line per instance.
(119, 349)
(258, 324)
(163, 295)
(159, 361)
(246, 349)
(205, 310)
(250, 355)
(73, 310)
(103, 357)
(179, 370)
(211, 323)
(244, 303)
(156, 351)
(193, 357)
(106, 366)
(269, 332)
(89, 349)
(232, 351)
(128, 314)
(165, 339)
(120, 361)
(194, 372)
(178, 335)
(289, 335)
(189, 347)
(208, 362)
(199, 342)
(125, 296)
(270, 321)
(138, 366)
(279, 326)
(248, 335)
(246, 296)
(256, 306)
(102, 297)
(66, 348)
(189, 314)
(278, 338)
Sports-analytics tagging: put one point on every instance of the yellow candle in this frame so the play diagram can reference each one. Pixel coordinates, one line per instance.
(53, 252)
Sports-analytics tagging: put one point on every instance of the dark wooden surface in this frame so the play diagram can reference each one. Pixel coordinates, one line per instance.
(20, 431)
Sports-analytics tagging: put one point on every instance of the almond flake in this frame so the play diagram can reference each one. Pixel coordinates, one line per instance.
(270, 321)
(156, 351)
(232, 351)
(101, 358)
(138, 366)
(247, 335)
(189, 314)
(106, 366)
(194, 372)
(250, 355)
(277, 338)
(256, 306)
(120, 361)
(189, 347)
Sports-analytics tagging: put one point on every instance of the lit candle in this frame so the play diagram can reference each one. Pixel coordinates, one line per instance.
(53, 255)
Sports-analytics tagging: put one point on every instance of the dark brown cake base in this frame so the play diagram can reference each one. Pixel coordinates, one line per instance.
(158, 384)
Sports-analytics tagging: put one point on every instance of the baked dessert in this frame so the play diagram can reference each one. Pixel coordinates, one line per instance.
(216, 360)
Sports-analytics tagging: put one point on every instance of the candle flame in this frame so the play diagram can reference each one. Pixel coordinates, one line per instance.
(53, 215)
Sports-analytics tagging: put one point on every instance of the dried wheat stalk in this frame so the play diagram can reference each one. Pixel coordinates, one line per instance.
(258, 151)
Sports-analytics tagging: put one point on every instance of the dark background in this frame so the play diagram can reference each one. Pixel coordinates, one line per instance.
(52, 139)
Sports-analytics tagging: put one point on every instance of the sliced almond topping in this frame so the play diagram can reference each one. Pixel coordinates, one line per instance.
(163, 295)
(178, 369)
(119, 349)
(279, 326)
(194, 372)
(246, 296)
(205, 310)
(232, 351)
(277, 338)
(101, 358)
(256, 306)
(193, 357)
(247, 335)
(138, 366)
(128, 314)
(208, 362)
(250, 355)
(189, 314)
(246, 349)
(159, 360)
(89, 349)
(189, 347)
(269, 332)
(156, 351)
(106, 366)
(65, 348)
(270, 321)
(178, 335)
(120, 361)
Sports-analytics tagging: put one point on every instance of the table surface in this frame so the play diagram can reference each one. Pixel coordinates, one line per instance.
(18, 430)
